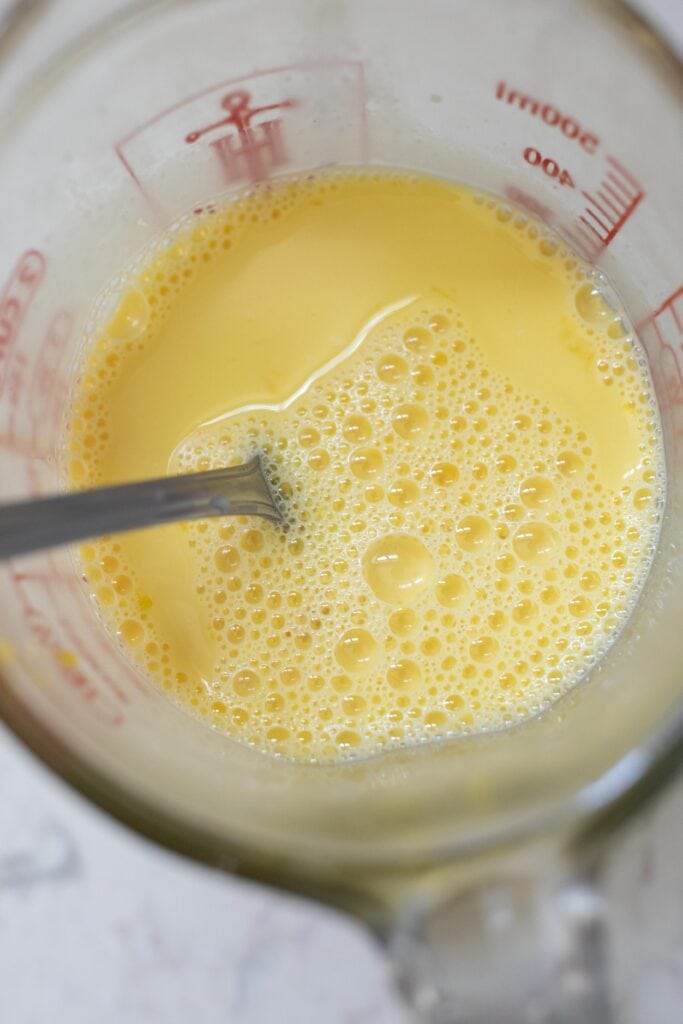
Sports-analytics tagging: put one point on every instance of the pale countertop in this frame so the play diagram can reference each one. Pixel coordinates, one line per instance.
(98, 926)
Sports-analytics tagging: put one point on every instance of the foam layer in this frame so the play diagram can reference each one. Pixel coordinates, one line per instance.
(460, 550)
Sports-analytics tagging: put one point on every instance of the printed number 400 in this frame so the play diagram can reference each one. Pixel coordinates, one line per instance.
(548, 166)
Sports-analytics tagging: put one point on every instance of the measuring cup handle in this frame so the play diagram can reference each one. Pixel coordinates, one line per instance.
(514, 950)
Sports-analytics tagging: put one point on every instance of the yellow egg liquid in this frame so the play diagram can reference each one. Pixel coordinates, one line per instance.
(461, 426)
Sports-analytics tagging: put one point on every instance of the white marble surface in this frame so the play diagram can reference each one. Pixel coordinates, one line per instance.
(98, 926)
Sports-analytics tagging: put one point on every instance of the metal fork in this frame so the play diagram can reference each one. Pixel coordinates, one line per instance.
(50, 522)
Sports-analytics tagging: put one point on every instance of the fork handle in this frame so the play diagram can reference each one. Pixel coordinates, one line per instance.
(50, 522)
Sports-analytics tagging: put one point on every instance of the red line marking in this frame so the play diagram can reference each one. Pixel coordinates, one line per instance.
(107, 715)
(591, 213)
(676, 317)
(21, 448)
(580, 230)
(668, 301)
(67, 616)
(44, 631)
(17, 295)
(584, 243)
(627, 194)
(585, 236)
(596, 204)
(653, 317)
(303, 66)
(619, 202)
(14, 272)
(622, 170)
(588, 230)
(36, 577)
(146, 194)
(97, 636)
(15, 389)
(675, 395)
(81, 648)
(622, 220)
(590, 226)
(45, 384)
(605, 199)
(521, 198)
(623, 203)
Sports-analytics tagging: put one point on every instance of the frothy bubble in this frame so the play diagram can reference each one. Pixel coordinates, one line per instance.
(454, 560)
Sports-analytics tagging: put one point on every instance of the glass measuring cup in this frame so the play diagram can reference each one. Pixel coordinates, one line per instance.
(471, 859)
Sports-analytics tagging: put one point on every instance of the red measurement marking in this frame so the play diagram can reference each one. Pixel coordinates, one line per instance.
(530, 203)
(549, 166)
(47, 630)
(15, 446)
(47, 389)
(549, 115)
(253, 150)
(15, 380)
(64, 593)
(15, 299)
(245, 142)
(667, 322)
(53, 597)
(44, 576)
(673, 305)
(606, 212)
(34, 395)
